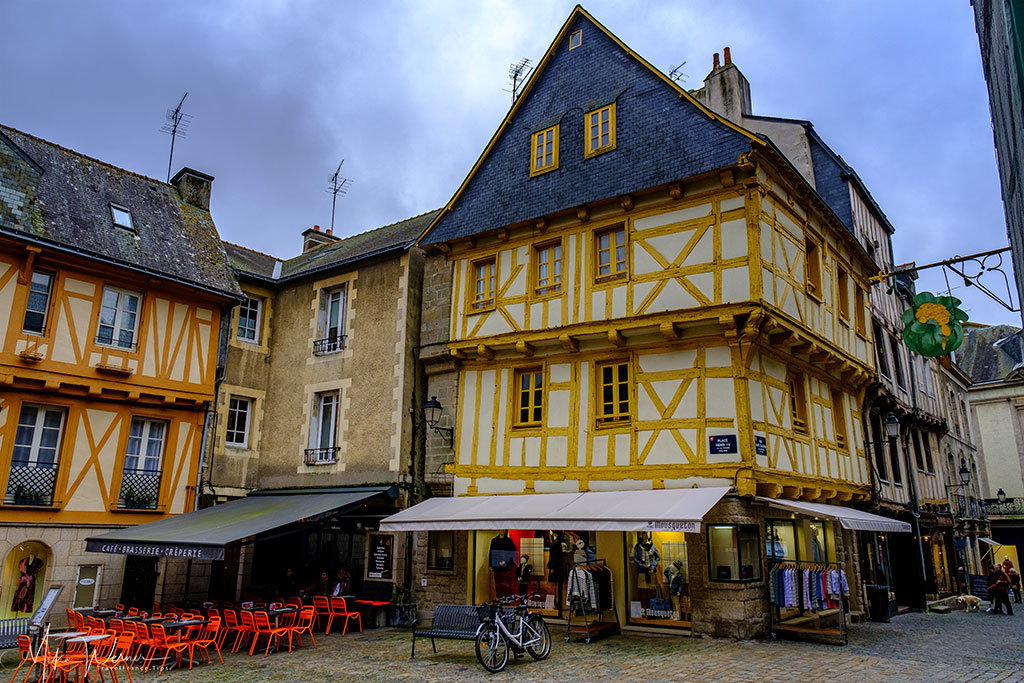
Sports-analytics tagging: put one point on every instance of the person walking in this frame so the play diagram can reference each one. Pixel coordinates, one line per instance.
(998, 586)
(1015, 584)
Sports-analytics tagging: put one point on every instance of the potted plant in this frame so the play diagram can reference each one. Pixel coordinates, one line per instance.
(136, 500)
(26, 496)
(402, 611)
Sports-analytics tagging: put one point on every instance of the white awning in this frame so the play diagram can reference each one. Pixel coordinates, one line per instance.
(658, 510)
(985, 539)
(849, 518)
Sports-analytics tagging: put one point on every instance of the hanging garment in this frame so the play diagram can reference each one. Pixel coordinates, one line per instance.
(581, 585)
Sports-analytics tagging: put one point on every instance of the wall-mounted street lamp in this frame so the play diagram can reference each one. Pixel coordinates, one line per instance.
(892, 425)
(432, 410)
(965, 477)
(1001, 496)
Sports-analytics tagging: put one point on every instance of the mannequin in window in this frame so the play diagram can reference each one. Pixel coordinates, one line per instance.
(583, 552)
(523, 574)
(503, 564)
(816, 547)
(675, 576)
(25, 593)
(646, 558)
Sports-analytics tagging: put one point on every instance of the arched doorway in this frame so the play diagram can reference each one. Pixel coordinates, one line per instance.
(24, 578)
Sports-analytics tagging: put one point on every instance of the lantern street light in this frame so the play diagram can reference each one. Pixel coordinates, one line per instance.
(432, 410)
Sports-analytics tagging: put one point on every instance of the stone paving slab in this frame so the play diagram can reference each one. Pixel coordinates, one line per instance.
(914, 647)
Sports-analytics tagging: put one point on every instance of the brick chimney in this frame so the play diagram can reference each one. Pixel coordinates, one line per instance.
(193, 187)
(313, 238)
(726, 90)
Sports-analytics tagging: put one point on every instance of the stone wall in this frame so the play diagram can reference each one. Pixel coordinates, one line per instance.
(439, 367)
(444, 587)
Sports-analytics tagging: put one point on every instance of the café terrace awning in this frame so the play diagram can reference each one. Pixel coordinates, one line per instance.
(849, 518)
(657, 510)
(203, 534)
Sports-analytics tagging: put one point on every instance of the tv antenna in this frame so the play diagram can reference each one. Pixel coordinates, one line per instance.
(518, 73)
(177, 124)
(676, 74)
(338, 185)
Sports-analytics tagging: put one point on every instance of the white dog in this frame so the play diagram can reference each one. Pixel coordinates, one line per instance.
(970, 603)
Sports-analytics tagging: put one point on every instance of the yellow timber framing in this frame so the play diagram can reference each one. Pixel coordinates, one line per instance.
(489, 456)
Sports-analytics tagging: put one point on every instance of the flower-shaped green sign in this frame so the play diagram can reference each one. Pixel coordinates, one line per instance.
(932, 327)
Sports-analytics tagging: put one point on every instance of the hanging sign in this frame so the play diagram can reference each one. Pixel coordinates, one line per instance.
(933, 325)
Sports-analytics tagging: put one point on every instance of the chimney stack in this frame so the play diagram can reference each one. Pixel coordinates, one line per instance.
(193, 187)
(715, 64)
(726, 90)
(313, 238)
(727, 56)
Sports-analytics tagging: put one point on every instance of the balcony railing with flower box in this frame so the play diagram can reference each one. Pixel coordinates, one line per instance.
(322, 347)
(140, 490)
(321, 456)
(31, 484)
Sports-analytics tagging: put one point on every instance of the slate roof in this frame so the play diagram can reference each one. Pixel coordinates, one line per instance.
(397, 236)
(172, 239)
(662, 135)
(989, 354)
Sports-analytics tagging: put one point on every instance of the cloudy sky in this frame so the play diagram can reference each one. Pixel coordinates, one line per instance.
(408, 93)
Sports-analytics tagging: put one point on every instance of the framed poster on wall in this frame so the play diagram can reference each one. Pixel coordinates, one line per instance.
(380, 558)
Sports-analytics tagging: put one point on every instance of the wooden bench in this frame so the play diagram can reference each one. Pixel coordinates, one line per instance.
(451, 622)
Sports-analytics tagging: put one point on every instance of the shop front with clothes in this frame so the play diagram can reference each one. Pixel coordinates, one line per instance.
(678, 561)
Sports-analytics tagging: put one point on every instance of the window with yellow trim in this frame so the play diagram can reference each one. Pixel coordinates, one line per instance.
(529, 394)
(839, 417)
(484, 276)
(843, 294)
(576, 39)
(797, 401)
(860, 310)
(613, 387)
(812, 267)
(544, 151)
(610, 256)
(547, 270)
(600, 130)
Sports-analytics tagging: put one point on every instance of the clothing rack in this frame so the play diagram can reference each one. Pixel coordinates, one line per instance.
(579, 597)
(807, 621)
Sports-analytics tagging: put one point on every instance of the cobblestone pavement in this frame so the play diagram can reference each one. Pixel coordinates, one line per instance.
(914, 647)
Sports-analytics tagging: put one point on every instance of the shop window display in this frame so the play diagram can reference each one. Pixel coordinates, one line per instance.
(513, 562)
(733, 552)
(659, 579)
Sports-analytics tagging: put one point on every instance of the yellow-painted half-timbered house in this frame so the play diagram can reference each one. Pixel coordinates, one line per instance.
(656, 348)
(112, 287)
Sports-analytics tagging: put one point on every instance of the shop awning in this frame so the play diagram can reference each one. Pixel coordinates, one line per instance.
(849, 518)
(659, 510)
(992, 542)
(203, 534)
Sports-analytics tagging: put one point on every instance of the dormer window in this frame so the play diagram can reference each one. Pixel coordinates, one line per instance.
(122, 217)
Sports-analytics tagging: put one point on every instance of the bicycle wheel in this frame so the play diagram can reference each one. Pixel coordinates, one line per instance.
(537, 628)
(491, 648)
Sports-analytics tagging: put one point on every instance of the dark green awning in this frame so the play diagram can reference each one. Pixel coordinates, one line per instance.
(203, 534)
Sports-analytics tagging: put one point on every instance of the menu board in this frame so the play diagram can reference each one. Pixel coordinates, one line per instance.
(380, 560)
(45, 604)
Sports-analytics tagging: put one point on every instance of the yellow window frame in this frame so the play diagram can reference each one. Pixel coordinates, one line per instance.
(839, 417)
(843, 294)
(576, 39)
(860, 310)
(617, 267)
(599, 130)
(617, 376)
(812, 267)
(548, 268)
(529, 393)
(797, 401)
(484, 276)
(544, 151)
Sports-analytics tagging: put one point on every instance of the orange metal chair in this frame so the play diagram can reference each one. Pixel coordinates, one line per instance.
(29, 657)
(207, 639)
(263, 627)
(169, 646)
(229, 626)
(323, 609)
(120, 655)
(305, 623)
(133, 611)
(75, 656)
(71, 616)
(117, 625)
(339, 608)
(246, 628)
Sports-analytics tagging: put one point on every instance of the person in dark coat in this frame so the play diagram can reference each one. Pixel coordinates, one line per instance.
(998, 587)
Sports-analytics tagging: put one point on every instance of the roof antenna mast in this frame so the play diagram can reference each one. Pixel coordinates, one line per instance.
(177, 124)
(518, 73)
(338, 185)
(676, 74)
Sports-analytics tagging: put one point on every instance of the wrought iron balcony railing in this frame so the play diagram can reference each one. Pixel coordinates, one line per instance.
(1012, 506)
(140, 490)
(321, 456)
(31, 484)
(322, 347)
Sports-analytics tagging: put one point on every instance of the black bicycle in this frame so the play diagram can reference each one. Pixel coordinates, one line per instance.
(509, 625)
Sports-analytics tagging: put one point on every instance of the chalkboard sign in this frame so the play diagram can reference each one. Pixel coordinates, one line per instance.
(44, 606)
(722, 444)
(979, 586)
(380, 560)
